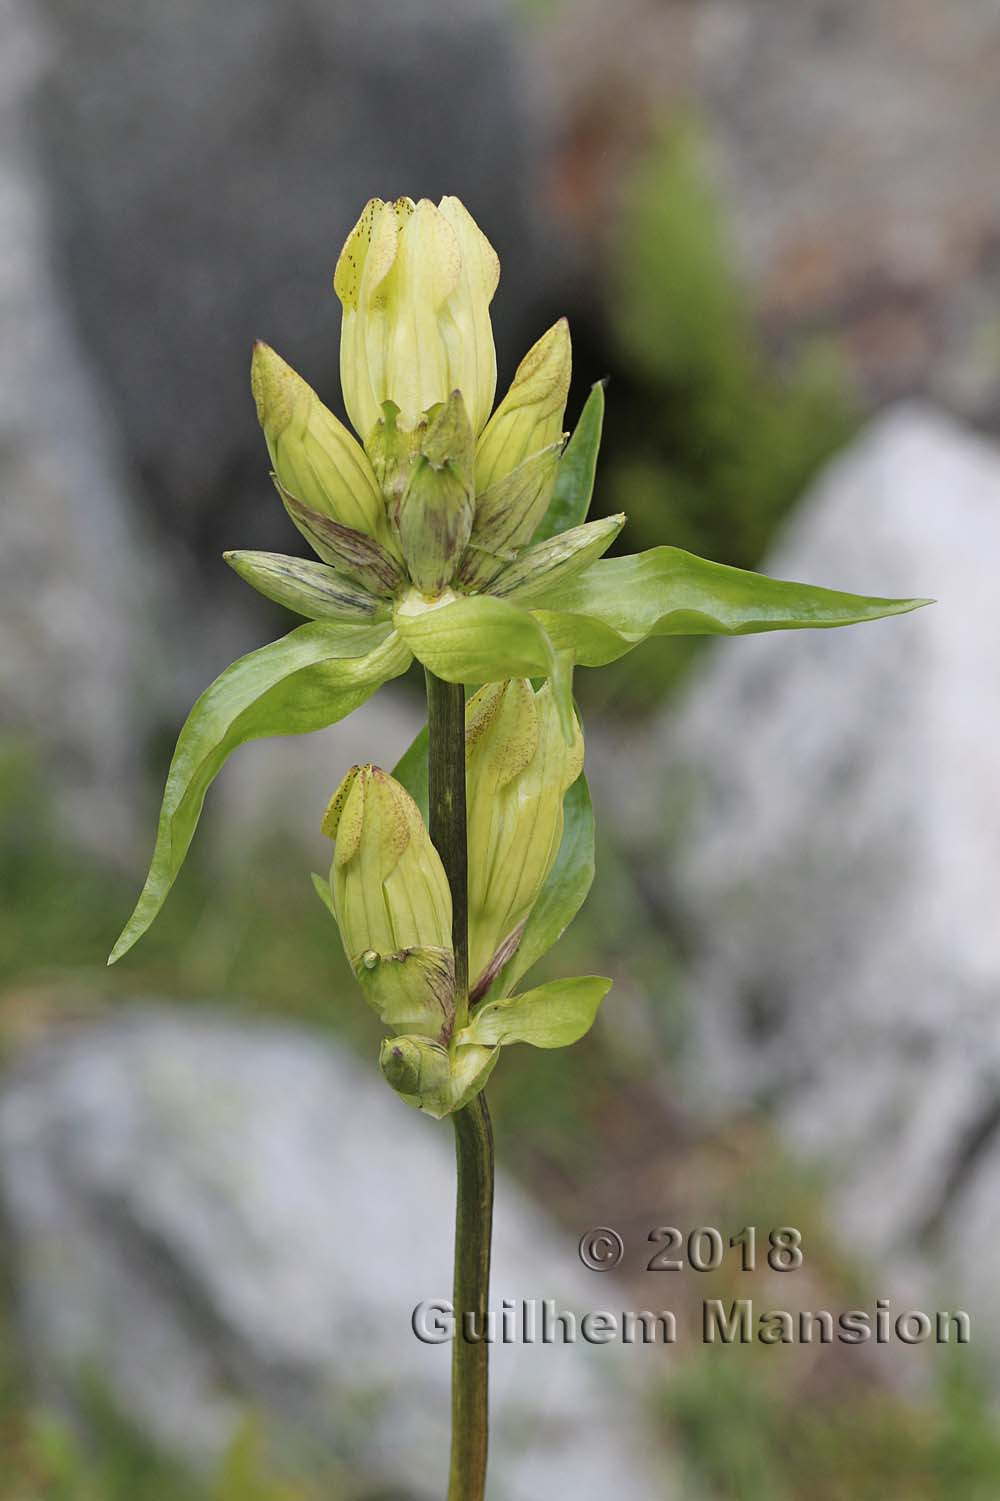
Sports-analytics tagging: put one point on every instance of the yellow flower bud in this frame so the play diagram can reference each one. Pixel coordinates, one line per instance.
(315, 458)
(416, 282)
(519, 768)
(530, 416)
(391, 901)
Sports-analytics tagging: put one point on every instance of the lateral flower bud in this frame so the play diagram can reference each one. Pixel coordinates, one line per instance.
(530, 416)
(434, 516)
(310, 589)
(314, 456)
(507, 515)
(519, 768)
(540, 567)
(415, 1067)
(392, 902)
(432, 1079)
(416, 282)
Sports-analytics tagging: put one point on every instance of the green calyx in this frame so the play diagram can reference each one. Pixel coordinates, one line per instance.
(426, 507)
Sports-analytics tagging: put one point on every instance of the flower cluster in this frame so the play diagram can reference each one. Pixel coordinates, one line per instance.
(454, 533)
(390, 896)
(439, 499)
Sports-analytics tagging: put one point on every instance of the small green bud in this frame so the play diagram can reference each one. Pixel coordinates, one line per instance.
(416, 1068)
(507, 515)
(313, 455)
(354, 554)
(430, 1078)
(539, 568)
(433, 518)
(518, 769)
(530, 417)
(310, 589)
(393, 451)
(392, 901)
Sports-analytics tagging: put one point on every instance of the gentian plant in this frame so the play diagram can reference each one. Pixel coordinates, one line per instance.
(452, 532)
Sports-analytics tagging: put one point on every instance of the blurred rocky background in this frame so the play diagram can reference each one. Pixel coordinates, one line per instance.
(777, 230)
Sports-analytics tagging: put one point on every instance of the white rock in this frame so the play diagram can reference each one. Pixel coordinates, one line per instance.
(215, 1213)
(74, 583)
(839, 868)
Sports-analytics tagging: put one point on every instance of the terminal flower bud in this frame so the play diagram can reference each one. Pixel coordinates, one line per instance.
(314, 456)
(431, 1078)
(416, 282)
(391, 901)
(530, 417)
(519, 768)
(539, 568)
(433, 518)
(310, 589)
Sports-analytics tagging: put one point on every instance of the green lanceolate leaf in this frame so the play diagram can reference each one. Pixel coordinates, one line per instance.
(553, 1016)
(413, 772)
(575, 478)
(321, 886)
(309, 679)
(617, 602)
(563, 894)
(480, 639)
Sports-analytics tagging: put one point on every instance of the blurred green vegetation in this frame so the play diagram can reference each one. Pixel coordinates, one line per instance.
(710, 439)
(743, 1436)
(45, 1461)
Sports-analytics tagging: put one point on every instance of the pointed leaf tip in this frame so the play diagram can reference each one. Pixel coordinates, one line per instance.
(574, 484)
(307, 680)
(600, 614)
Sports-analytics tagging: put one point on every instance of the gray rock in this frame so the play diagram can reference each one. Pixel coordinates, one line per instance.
(211, 1214)
(837, 871)
(207, 167)
(74, 579)
(175, 181)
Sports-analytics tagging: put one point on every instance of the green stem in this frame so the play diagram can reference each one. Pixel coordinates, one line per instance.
(446, 800)
(473, 1134)
(470, 1358)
